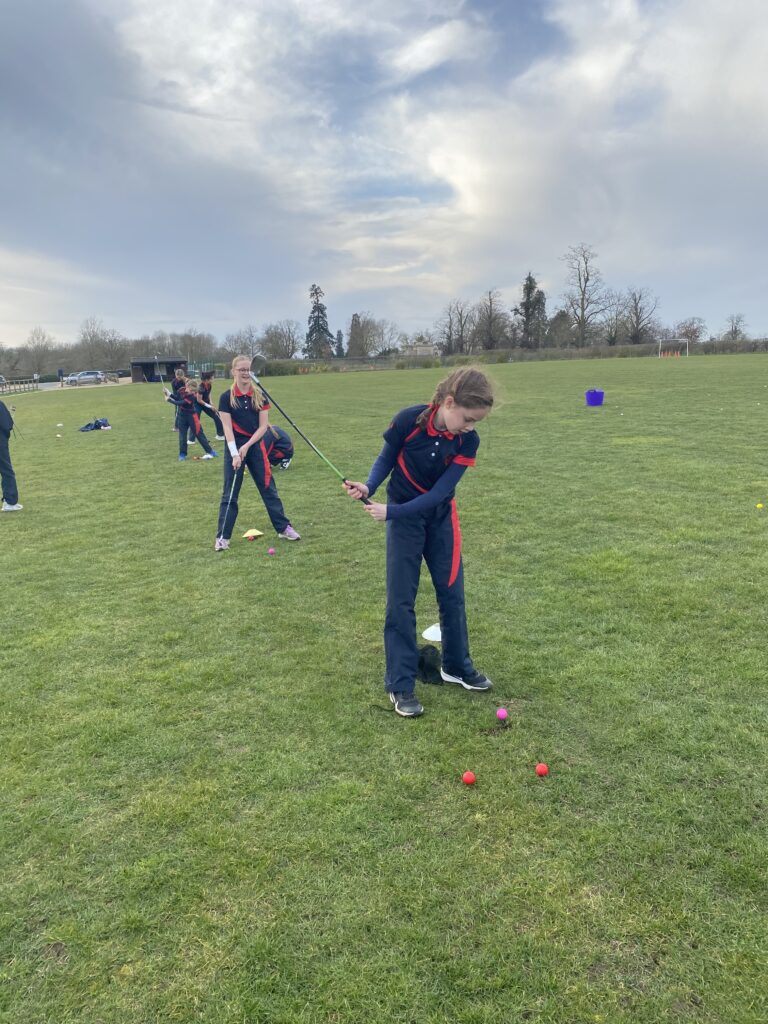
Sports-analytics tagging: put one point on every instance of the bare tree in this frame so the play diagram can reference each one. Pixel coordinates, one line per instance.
(281, 340)
(38, 350)
(491, 329)
(735, 324)
(195, 346)
(455, 327)
(386, 337)
(243, 342)
(101, 345)
(691, 330)
(614, 321)
(642, 325)
(362, 336)
(585, 298)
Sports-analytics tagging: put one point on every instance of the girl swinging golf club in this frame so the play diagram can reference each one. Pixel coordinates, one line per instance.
(427, 449)
(244, 414)
(187, 402)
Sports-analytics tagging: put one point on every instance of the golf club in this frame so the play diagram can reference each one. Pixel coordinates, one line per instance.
(16, 431)
(257, 363)
(229, 501)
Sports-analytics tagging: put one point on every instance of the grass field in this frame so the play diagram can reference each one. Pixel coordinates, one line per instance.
(209, 814)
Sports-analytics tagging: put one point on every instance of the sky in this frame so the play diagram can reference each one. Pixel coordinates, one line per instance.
(168, 164)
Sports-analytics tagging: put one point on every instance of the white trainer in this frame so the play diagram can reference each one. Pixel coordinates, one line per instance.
(12, 508)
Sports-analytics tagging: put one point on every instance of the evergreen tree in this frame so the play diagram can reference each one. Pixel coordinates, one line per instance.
(339, 353)
(531, 314)
(355, 345)
(319, 340)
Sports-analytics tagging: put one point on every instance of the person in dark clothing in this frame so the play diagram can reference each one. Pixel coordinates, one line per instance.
(206, 385)
(279, 447)
(7, 475)
(177, 386)
(188, 408)
(244, 414)
(427, 449)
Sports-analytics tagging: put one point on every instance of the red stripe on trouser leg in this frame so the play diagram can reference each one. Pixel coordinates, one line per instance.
(196, 421)
(267, 467)
(456, 559)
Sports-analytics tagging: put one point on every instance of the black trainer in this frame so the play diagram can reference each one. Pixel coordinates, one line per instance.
(473, 680)
(406, 704)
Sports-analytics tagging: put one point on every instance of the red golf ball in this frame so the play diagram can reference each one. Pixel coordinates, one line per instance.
(468, 778)
(542, 769)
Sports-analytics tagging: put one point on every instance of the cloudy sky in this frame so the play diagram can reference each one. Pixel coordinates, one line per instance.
(176, 163)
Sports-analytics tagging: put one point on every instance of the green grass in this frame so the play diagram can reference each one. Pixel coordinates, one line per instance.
(209, 814)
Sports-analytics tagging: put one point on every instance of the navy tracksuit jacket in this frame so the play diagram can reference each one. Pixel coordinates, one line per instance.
(422, 522)
(279, 445)
(177, 386)
(188, 419)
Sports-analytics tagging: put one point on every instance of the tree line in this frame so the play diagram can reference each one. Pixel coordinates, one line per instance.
(589, 313)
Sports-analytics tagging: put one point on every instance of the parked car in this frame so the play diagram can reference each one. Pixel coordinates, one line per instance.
(86, 377)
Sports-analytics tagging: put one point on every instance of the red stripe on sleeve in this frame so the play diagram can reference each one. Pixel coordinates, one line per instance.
(462, 460)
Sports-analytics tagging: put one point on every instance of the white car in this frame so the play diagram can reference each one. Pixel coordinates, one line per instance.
(86, 377)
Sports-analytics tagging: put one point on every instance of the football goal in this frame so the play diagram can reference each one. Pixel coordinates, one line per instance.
(674, 348)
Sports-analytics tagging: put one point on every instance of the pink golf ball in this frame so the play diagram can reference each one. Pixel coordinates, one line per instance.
(271, 551)
(501, 714)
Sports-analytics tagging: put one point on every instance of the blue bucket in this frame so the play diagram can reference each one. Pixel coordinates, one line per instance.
(594, 397)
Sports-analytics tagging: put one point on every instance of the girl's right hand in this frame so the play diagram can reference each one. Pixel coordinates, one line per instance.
(237, 461)
(355, 489)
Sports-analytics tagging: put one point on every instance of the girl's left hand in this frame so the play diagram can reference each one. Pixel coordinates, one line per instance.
(376, 511)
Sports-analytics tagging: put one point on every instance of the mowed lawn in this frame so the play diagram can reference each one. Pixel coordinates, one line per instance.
(209, 812)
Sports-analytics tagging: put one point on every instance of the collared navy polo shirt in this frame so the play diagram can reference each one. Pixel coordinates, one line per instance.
(245, 419)
(424, 453)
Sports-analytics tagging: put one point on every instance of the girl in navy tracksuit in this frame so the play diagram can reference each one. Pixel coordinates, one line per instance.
(427, 449)
(188, 410)
(177, 386)
(206, 385)
(279, 447)
(244, 414)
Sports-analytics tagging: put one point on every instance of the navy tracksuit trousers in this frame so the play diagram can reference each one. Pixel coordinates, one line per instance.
(189, 423)
(260, 470)
(435, 537)
(10, 491)
(214, 416)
